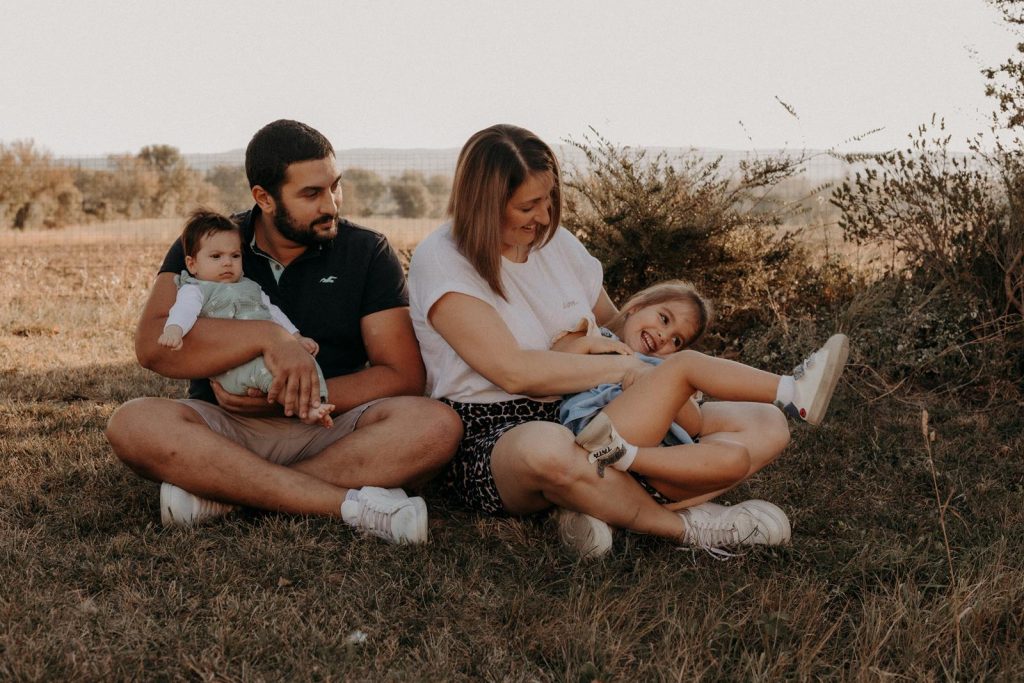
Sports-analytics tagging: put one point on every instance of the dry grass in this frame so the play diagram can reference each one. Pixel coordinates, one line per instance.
(95, 589)
(404, 233)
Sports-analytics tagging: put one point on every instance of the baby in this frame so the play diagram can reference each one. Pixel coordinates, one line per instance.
(213, 287)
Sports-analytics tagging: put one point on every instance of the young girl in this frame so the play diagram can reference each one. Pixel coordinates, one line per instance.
(213, 287)
(657, 415)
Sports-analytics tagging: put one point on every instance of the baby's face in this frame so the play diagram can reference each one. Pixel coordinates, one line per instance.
(219, 258)
(660, 329)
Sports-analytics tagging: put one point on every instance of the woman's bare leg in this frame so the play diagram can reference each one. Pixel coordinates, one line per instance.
(538, 464)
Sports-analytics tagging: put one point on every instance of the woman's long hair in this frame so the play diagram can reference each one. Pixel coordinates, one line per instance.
(491, 167)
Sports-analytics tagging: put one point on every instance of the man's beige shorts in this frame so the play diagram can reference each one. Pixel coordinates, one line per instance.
(282, 440)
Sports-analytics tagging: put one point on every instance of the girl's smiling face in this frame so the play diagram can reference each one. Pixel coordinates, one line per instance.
(660, 329)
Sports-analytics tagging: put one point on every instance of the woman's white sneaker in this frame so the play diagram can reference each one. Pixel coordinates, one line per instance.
(178, 507)
(714, 527)
(588, 536)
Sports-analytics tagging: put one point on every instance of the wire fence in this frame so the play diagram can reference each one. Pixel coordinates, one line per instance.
(141, 198)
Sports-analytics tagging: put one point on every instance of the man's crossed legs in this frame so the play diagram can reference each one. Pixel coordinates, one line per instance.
(211, 460)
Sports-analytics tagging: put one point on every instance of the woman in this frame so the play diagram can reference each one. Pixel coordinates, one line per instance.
(489, 291)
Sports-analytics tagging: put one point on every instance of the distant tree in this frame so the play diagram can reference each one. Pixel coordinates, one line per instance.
(232, 186)
(34, 191)
(179, 187)
(439, 186)
(410, 194)
(363, 191)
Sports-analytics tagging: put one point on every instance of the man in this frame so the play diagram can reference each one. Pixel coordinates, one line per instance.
(343, 286)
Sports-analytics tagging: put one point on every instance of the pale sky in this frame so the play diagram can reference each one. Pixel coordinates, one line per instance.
(95, 77)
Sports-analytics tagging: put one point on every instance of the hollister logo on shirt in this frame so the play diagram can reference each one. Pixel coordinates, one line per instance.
(329, 280)
(569, 304)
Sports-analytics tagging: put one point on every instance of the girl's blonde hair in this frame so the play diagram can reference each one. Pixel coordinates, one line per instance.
(664, 292)
(492, 165)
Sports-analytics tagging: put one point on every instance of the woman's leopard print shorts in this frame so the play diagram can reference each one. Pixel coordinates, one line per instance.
(469, 478)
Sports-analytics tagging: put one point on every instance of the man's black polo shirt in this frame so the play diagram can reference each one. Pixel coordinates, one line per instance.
(324, 292)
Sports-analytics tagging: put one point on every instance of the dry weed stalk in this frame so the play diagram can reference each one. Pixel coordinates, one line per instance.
(929, 438)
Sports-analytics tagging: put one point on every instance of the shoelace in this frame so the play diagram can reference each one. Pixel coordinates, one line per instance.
(374, 518)
(710, 538)
(803, 367)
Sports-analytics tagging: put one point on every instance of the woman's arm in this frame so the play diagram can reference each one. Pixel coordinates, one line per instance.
(604, 309)
(479, 335)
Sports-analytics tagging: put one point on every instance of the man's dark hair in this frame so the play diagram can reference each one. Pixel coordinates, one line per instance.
(277, 145)
(203, 222)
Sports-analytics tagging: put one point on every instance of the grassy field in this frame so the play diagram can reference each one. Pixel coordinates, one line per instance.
(404, 233)
(905, 562)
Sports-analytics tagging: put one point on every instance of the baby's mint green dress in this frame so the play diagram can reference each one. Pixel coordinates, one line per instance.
(240, 300)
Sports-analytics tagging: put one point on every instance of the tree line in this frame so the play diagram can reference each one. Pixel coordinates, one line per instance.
(38, 191)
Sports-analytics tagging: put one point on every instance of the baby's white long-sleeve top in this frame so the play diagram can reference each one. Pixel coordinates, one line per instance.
(189, 304)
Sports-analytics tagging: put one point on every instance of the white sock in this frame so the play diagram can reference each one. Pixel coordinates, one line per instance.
(786, 393)
(354, 494)
(626, 460)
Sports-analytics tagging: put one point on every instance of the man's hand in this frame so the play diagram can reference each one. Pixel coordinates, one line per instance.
(171, 337)
(253, 405)
(296, 383)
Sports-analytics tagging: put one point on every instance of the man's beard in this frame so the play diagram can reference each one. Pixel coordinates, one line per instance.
(304, 235)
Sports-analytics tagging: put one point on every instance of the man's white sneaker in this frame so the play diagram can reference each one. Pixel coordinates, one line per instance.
(386, 514)
(178, 507)
(713, 527)
(603, 443)
(588, 536)
(816, 378)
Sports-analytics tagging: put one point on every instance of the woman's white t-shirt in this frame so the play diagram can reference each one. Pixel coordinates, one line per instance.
(557, 286)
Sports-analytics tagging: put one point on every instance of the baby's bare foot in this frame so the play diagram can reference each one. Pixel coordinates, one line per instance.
(321, 415)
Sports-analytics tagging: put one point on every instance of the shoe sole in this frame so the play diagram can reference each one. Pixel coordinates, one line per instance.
(838, 347)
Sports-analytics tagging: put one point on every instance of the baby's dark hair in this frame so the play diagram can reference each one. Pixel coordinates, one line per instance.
(664, 292)
(203, 222)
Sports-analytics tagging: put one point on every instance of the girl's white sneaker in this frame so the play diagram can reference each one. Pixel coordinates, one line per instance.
(816, 379)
